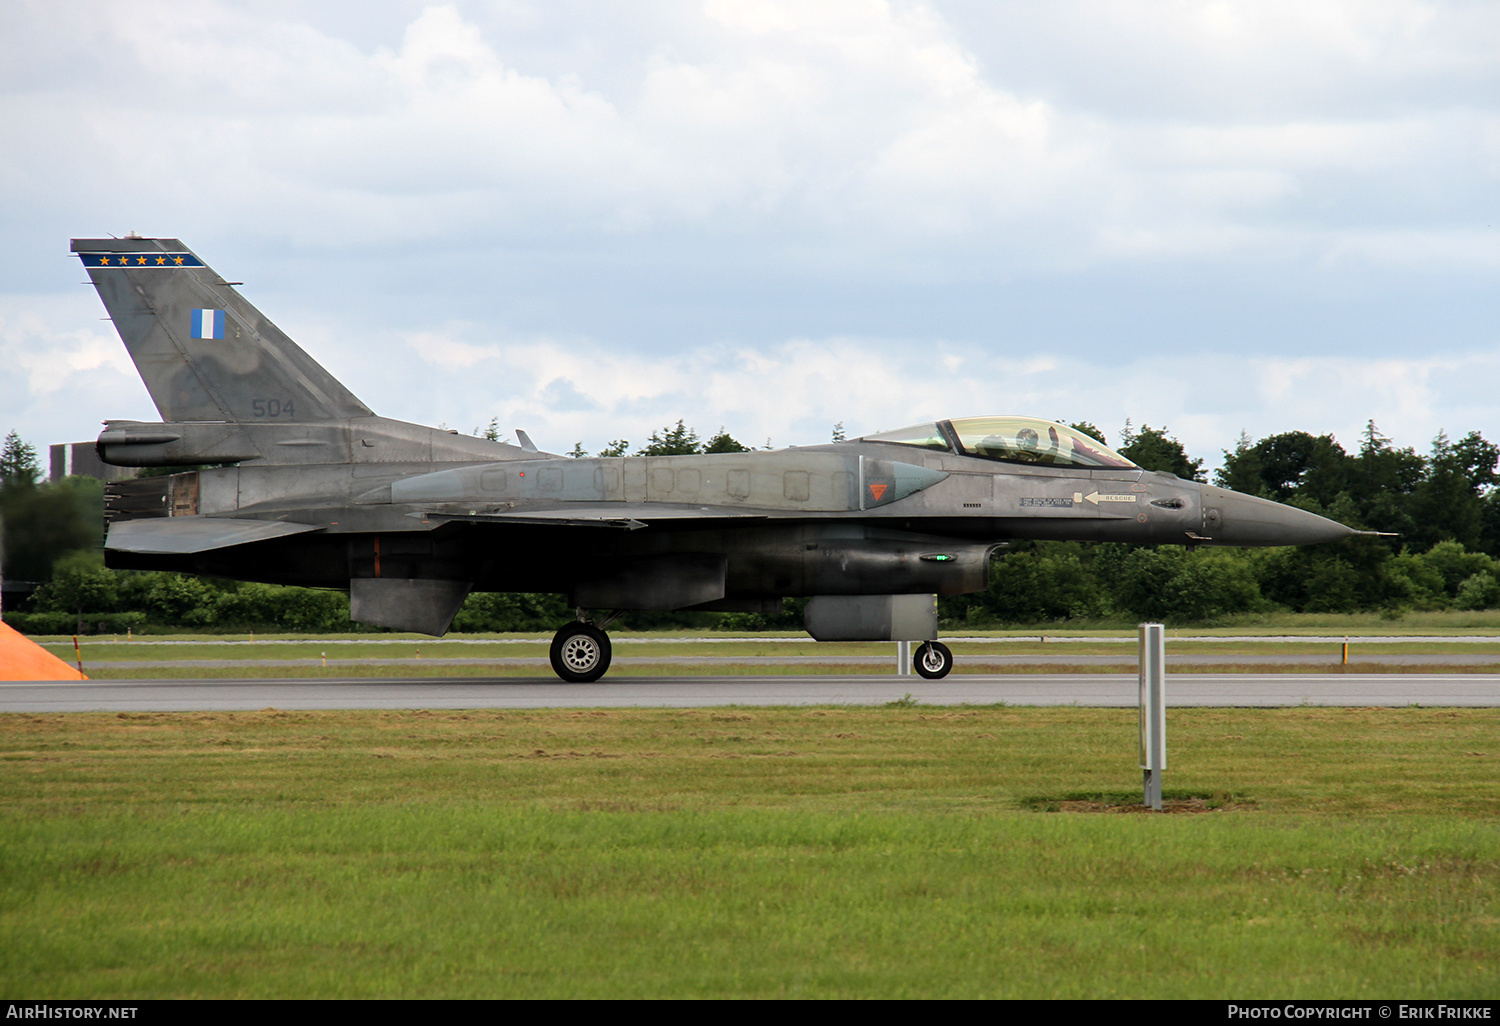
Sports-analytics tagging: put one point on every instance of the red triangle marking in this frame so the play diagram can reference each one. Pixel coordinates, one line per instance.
(878, 490)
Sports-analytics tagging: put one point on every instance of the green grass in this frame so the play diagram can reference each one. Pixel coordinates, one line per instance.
(902, 851)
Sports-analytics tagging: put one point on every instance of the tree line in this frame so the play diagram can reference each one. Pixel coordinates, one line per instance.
(1443, 507)
(672, 440)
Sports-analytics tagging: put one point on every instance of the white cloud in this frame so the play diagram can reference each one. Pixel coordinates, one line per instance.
(42, 342)
(850, 131)
(66, 370)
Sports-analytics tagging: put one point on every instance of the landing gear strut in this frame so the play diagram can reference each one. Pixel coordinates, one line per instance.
(581, 651)
(933, 660)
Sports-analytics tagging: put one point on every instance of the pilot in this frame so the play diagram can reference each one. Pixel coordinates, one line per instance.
(1027, 442)
(992, 446)
(1052, 454)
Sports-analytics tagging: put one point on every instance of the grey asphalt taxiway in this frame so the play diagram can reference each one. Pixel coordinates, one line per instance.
(1093, 689)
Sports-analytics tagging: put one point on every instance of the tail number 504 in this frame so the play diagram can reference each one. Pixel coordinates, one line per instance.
(273, 408)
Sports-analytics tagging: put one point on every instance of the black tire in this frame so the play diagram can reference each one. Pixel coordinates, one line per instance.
(580, 653)
(933, 660)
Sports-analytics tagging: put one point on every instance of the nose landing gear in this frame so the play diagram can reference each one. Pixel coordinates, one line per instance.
(933, 660)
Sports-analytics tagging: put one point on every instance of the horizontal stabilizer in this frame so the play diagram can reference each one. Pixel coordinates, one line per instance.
(178, 536)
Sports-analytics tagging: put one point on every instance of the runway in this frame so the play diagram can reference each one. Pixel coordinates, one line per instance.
(995, 663)
(1100, 690)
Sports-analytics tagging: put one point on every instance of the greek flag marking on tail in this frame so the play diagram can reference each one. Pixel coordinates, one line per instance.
(208, 324)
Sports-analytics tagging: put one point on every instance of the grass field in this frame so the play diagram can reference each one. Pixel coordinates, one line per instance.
(901, 851)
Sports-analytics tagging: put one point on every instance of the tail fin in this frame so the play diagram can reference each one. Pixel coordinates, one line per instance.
(204, 353)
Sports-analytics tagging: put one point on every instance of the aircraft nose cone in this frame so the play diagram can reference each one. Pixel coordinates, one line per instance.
(1233, 518)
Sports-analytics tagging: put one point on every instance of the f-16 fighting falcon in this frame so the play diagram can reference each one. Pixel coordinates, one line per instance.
(312, 488)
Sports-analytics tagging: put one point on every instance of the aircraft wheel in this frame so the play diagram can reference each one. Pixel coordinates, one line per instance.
(580, 653)
(933, 660)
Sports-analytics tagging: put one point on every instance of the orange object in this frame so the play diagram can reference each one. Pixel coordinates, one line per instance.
(23, 659)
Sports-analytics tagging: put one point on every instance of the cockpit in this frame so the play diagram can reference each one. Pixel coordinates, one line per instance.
(1013, 439)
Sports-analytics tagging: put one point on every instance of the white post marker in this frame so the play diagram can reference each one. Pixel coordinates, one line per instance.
(903, 658)
(1153, 670)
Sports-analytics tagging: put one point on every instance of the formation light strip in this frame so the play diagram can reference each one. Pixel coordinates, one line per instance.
(140, 261)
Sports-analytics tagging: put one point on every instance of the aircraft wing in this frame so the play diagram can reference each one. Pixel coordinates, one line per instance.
(185, 535)
(619, 515)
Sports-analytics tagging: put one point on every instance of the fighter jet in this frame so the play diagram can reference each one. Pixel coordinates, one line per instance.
(307, 486)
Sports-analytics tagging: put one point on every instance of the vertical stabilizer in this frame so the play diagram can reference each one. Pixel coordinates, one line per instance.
(204, 353)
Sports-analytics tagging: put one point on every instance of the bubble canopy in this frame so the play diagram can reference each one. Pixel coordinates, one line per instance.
(1014, 439)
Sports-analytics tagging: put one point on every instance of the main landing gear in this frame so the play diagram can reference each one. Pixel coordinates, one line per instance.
(581, 650)
(933, 660)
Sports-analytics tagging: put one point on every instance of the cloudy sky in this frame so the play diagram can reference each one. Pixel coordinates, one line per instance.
(590, 218)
